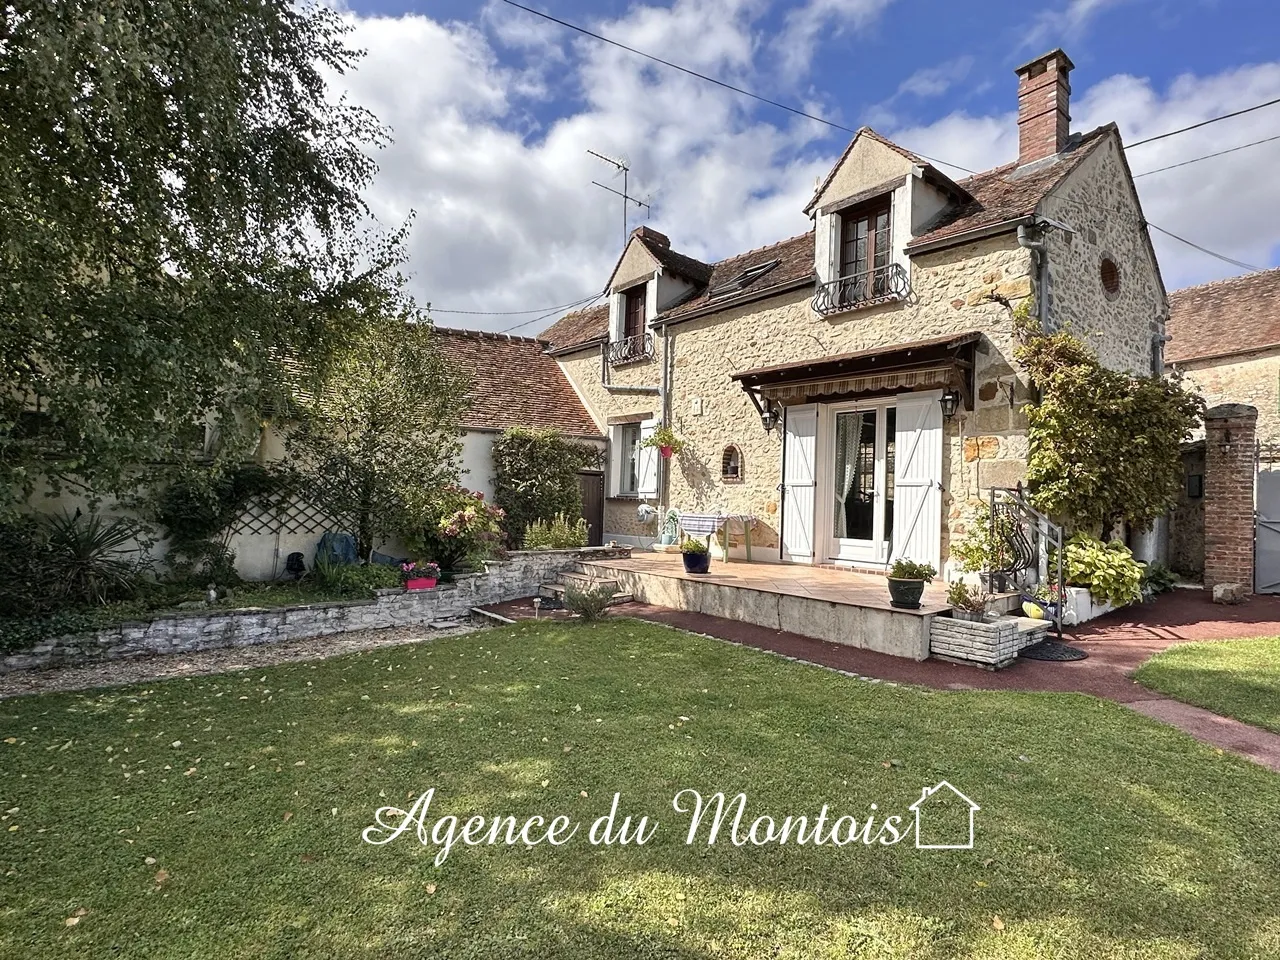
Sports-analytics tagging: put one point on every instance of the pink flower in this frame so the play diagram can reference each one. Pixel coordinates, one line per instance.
(479, 494)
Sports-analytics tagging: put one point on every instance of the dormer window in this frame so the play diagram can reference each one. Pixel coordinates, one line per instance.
(863, 263)
(633, 312)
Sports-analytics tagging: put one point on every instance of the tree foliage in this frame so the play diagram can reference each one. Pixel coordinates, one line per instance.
(179, 210)
(1105, 446)
(380, 440)
(536, 477)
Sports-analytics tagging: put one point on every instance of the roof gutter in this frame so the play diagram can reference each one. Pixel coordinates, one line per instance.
(752, 297)
(977, 233)
(1225, 355)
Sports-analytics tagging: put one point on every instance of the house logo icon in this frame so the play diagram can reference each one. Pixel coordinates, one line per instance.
(935, 798)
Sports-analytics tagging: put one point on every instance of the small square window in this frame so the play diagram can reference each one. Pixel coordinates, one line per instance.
(1195, 486)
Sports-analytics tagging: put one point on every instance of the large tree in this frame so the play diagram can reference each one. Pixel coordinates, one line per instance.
(380, 440)
(179, 198)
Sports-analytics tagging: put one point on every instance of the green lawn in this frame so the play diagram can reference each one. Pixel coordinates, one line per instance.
(1236, 678)
(222, 816)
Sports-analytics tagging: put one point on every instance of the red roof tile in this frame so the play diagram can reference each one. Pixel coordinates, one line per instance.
(1226, 317)
(514, 383)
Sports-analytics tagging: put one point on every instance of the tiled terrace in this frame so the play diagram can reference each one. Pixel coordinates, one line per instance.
(788, 579)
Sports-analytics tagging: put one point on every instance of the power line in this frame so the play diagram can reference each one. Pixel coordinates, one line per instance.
(1207, 156)
(1203, 123)
(702, 76)
(504, 313)
(581, 304)
(1235, 263)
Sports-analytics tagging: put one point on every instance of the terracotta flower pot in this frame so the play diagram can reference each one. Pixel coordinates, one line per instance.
(420, 583)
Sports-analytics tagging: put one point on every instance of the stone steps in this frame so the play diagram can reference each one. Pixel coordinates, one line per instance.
(582, 578)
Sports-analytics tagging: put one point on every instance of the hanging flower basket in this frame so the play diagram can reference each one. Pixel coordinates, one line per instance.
(666, 452)
(665, 439)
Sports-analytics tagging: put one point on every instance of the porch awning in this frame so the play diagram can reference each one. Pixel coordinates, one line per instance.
(922, 364)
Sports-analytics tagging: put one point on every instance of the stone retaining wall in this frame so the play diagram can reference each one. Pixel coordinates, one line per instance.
(502, 580)
(989, 644)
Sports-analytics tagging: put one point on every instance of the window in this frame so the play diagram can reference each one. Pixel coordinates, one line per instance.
(633, 306)
(866, 243)
(1109, 272)
(629, 459)
(731, 464)
(1195, 486)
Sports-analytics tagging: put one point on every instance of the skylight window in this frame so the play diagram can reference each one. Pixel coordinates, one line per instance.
(742, 280)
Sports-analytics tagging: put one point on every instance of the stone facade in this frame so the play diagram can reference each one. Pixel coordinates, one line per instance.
(1252, 378)
(1098, 202)
(1230, 468)
(519, 576)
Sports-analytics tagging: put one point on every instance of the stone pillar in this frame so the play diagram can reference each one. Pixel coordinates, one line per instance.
(1229, 474)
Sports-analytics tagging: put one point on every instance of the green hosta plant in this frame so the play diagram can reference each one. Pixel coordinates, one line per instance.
(1108, 570)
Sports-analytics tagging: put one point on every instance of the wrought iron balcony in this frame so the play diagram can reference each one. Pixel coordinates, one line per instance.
(881, 285)
(631, 349)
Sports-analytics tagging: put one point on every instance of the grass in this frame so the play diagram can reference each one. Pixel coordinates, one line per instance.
(1236, 678)
(222, 816)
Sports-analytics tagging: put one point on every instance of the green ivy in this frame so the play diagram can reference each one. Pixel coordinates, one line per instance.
(536, 477)
(1108, 570)
(1105, 445)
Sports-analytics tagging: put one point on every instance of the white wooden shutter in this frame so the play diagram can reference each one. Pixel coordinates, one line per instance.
(647, 472)
(800, 448)
(615, 460)
(917, 479)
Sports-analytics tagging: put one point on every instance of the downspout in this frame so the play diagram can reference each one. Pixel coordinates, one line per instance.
(1031, 237)
(664, 413)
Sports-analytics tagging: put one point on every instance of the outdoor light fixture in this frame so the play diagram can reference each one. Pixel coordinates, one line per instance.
(769, 419)
(950, 402)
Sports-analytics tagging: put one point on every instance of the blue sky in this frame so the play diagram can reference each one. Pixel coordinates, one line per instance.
(493, 109)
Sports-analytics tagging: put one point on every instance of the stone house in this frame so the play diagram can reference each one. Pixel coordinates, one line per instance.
(853, 389)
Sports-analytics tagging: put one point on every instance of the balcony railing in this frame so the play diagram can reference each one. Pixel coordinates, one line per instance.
(880, 285)
(631, 349)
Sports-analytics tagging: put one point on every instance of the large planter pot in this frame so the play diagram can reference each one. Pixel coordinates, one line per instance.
(905, 594)
(696, 562)
(420, 583)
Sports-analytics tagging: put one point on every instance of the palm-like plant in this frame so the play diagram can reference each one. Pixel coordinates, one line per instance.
(95, 559)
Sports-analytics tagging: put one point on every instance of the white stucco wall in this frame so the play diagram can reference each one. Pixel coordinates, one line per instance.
(477, 461)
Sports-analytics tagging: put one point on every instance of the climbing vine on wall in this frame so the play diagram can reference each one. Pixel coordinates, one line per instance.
(1104, 444)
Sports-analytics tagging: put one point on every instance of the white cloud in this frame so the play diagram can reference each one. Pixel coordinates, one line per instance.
(1057, 27)
(508, 219)
(935, 81)
(807, 23)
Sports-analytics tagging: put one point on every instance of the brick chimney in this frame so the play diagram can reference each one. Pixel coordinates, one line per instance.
(1044, 106)
(652, 236)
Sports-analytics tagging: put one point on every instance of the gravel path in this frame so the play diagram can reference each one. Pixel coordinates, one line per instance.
(113, 673)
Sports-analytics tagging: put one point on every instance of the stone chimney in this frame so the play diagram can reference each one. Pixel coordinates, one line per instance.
(652, 236)
(1044, 106)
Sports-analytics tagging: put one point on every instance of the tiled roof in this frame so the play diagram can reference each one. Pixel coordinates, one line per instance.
(514, 383)
(1007, 193)
(1000, 195)
(795, 262)
(1224, 317)
(579, 327)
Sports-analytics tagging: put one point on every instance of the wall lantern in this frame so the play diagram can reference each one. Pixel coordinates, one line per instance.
(950, 403)
(769, 418)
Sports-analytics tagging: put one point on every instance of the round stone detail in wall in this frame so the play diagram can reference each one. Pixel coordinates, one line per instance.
(1109, 271)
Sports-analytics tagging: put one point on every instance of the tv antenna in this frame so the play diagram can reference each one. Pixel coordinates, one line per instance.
(621, 167)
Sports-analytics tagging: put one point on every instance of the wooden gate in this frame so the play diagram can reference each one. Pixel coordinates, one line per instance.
(592, 484)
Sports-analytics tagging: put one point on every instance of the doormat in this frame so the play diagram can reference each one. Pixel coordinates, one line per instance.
(1052, 650)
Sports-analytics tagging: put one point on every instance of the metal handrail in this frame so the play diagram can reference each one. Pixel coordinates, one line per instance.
(880, 285)
(1028, 538)
(630, 349)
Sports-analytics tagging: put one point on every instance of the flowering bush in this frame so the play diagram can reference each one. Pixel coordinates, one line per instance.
(456, 526)
(419, 569)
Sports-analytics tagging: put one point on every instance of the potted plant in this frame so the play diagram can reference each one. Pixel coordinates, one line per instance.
(419, 575)
(665, 439)
(966, 603)
(696, 555)
(906, 583)
(1042, 602)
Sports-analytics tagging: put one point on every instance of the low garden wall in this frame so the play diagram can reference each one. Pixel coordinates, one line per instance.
(991, 643)
(518, 576)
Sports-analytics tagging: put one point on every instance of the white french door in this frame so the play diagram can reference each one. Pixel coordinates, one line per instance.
(859, 444)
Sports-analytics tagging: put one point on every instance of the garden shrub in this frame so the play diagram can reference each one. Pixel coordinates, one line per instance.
(536, 477)
(1108, 570)
(984, 547)
(354, 580)
(454, 528)
(559, 534)
(27, 573)
(590, 603)
(95, 560)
